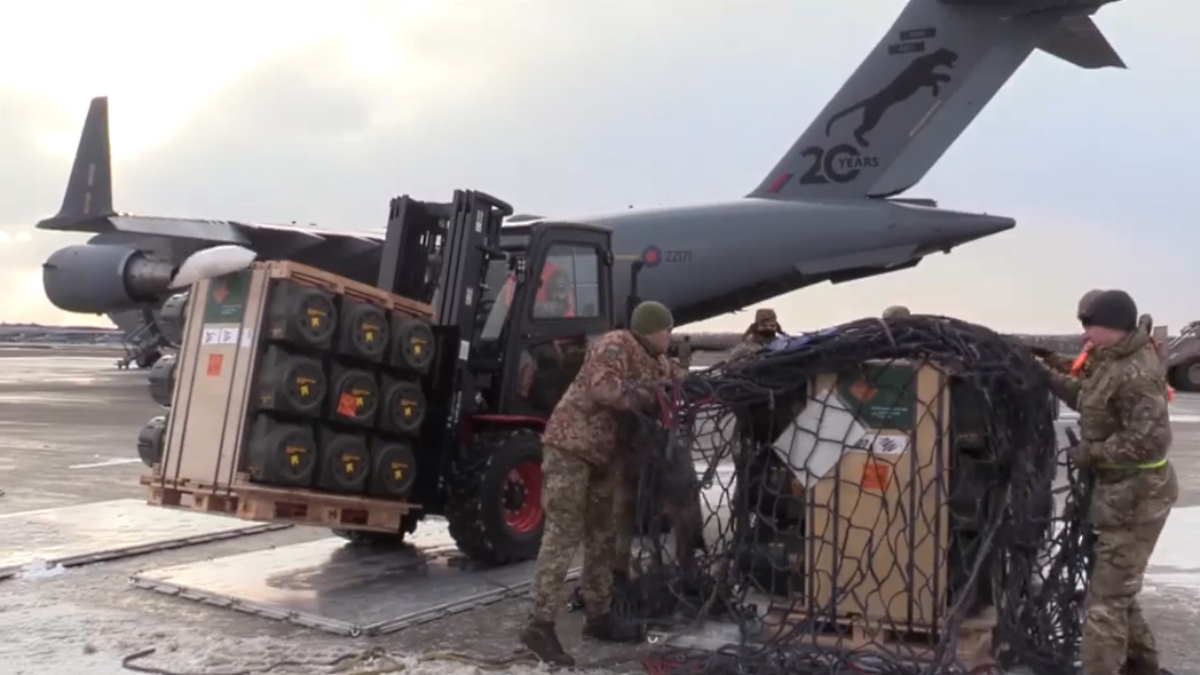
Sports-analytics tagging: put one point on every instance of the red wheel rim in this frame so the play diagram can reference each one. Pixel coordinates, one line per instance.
(527, 478)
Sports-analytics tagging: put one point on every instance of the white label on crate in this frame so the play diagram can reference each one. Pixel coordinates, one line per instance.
(222, 335)
(247, 338)
(464, 350)
(886, 444)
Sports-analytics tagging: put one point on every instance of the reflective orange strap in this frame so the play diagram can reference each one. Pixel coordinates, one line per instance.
(1080, 362)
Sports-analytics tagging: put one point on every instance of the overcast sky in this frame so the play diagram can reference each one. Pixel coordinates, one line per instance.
(322, 112)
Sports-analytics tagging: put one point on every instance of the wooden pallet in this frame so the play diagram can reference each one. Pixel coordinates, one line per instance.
(333, 283)
(974, 642)
(251, 501)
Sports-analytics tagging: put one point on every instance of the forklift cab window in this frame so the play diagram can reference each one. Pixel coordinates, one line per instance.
(500, 296)
(570, 283)
(569, 288)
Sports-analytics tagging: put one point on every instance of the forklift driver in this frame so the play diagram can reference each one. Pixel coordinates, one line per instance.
(554, 299)
(544, 374)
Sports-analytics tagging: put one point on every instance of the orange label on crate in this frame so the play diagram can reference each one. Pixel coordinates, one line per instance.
(347, 405)
(214, 364)
(876, 475)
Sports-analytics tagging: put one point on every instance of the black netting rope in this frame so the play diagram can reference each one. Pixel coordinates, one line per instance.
(893, 562)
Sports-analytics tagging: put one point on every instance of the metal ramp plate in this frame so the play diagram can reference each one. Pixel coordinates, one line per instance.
(87, 533)
(344, 588)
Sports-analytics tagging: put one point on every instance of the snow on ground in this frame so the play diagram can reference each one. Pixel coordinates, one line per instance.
(1176, 558)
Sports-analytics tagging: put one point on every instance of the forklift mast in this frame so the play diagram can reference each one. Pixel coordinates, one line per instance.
(439, 254)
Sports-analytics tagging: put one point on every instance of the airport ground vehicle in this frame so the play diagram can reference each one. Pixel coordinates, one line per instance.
(509, 315)
(1183, 358)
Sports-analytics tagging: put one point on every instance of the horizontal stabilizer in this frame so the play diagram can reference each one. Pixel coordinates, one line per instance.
(1078, 40)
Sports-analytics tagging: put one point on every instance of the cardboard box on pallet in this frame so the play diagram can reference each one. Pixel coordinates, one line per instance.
(261, 388)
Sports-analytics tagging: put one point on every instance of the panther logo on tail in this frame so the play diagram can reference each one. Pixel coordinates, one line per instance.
(920, 73)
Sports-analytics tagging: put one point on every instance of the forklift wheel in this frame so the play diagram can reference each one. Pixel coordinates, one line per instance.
(495, 506)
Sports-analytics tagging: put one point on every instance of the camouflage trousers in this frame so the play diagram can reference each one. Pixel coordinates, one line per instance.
(1128, 517)
(578, 499)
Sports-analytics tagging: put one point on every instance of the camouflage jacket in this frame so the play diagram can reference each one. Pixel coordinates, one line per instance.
(1122, 403)
(585, 421)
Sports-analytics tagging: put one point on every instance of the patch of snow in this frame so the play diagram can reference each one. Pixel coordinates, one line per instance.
(1178, 547)
(40, 569)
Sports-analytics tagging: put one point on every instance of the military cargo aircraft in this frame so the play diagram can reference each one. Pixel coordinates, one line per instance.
(827, 211)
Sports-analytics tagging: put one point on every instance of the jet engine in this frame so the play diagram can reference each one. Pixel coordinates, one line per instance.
(101, 278)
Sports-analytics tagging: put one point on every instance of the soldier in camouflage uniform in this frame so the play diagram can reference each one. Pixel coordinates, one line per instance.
(760, 334)
(581, 469)
(1126, 434)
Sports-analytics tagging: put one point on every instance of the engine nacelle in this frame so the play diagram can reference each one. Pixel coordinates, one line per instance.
(101, 278)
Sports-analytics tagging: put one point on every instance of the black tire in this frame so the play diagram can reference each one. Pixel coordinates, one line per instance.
(147, 359)
(494, 504)
(1186, 376)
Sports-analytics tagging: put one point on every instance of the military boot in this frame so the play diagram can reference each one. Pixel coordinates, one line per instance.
(611, 629)
(539, 637)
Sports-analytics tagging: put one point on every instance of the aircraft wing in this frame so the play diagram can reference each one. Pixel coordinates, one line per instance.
(222, 231)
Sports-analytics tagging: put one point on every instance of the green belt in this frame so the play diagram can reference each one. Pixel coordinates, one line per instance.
(1144, 466)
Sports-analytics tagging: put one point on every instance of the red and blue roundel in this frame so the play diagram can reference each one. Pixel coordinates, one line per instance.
(652, 256)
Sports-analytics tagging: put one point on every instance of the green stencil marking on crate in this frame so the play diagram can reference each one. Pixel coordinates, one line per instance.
(226, 302)
(883, 397)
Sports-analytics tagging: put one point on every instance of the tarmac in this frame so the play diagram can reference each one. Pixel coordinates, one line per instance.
(70, 421)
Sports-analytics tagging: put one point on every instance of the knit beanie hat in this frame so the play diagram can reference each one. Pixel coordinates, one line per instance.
(1111, 309)
(1086, 300)
(650, 317)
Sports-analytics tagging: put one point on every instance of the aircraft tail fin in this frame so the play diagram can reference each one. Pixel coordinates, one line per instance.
(89, 189)
(921, 86)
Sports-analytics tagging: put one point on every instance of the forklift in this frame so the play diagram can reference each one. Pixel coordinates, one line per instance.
(514, 310)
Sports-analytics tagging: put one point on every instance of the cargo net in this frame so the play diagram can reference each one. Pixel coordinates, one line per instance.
(877, 497)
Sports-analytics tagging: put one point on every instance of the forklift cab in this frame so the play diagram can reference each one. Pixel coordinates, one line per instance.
(544, 300)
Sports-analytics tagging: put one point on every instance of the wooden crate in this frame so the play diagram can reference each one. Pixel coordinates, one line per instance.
(327, 281)
(250, 501)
